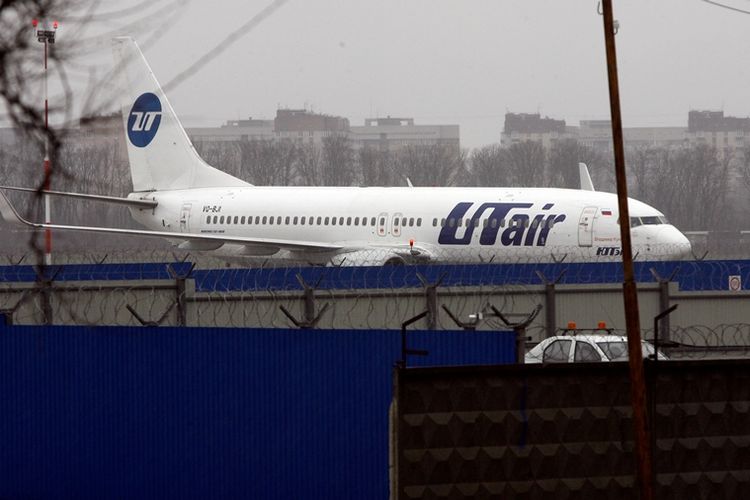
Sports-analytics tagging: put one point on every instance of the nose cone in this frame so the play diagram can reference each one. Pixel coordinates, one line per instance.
(675, 243)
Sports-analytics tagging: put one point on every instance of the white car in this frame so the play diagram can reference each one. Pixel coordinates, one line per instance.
(585, 348)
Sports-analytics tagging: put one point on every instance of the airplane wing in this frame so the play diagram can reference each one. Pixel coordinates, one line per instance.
(190, 240)
(583, 172)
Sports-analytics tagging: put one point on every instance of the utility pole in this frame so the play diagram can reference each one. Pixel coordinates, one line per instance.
(46, 37)
(630, 293)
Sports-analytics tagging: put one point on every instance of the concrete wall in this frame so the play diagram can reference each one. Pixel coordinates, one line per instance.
(178, 302)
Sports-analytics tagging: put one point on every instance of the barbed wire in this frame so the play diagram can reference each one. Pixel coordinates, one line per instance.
(154, 288)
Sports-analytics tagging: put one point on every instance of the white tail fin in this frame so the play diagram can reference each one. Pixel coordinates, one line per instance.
(160, 152)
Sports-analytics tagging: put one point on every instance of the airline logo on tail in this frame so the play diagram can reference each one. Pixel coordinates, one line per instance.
(144, 120)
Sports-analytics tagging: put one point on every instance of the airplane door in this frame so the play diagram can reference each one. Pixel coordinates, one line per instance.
(382, 224)
(396, 224)
(586, 226)
(185, 217)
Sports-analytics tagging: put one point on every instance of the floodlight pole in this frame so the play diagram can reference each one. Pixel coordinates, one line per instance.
(46, 37)
(630, 293)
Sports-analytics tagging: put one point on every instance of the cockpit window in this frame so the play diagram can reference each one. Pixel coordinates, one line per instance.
(651, 220)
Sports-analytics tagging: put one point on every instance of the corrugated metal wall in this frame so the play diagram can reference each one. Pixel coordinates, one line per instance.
(113, 412)
(690, 275)
(555, 431)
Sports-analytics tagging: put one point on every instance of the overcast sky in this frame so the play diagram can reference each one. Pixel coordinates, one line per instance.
(461, 62)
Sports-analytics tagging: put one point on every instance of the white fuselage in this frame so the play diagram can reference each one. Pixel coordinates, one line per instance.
(376, 225)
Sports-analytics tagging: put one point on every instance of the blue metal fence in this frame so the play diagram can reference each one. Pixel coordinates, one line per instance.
(690, 275)
(113, 412)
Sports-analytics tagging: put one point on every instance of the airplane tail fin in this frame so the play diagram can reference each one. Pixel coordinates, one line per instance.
(160, 153)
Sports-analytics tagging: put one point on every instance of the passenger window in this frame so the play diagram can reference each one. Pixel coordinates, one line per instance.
(585, 352)
(320, 219)
(460, 223)
(372, 221)
(257, 219)
(341, 221)
(229, 219)
(208, 220)
(294, 221)
(333, 221)
(551, 222)
(221, 220)
(411, 221)
(325, 221)
(502, 222)
(236, 219)
(403, 222)
(348, 221)
(278, 220)
(286, 221)
(302, 220)
(382, 221)
(364, 221)
(356, 221)
(216, 218)
(451, 222)
(264, 219)
(557, 352)
(242, 220)
(493, 223)
(395, 222)
(535, 224)
(434, 222)
(442, 222)
(419, 222)
(270, 221)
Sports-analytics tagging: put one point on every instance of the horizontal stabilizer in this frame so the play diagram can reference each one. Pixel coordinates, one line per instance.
(92, 197)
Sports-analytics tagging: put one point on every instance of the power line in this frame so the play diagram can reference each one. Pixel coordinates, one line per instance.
(728, 7)
(224, 44)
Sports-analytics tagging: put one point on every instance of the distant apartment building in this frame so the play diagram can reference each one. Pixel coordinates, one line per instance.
(96, 131)
(307, 127)
(521, 127)
(396, 133)
(597, 134)
(298, 125)
(234, 130)
(726, 133)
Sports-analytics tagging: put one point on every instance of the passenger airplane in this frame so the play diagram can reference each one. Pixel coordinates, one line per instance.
(176, 195)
